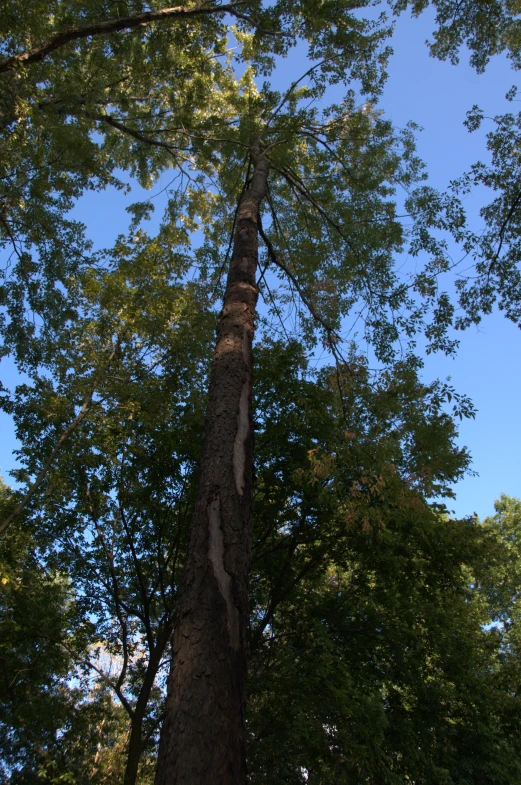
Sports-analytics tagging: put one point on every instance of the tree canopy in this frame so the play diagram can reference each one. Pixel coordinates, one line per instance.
(382, 637)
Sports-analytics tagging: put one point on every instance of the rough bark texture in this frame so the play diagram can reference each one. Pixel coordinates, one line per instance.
(135, 743)
(134, 749)
(203, 735)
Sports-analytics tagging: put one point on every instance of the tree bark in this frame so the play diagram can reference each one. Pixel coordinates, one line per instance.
(135, 743)
(203, 735)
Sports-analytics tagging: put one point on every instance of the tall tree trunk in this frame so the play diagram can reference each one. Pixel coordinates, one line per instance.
(203, 734)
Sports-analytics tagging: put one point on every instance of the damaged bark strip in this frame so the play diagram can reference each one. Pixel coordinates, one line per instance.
(203, 734)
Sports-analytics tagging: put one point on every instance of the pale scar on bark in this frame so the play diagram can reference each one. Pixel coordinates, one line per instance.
(224, 581)
(243, 424)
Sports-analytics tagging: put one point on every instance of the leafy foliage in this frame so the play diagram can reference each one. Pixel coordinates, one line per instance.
(51, 725)
(486, 27)
(371, 658)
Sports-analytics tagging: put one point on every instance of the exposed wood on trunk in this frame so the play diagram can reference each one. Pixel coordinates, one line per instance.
(203, 735)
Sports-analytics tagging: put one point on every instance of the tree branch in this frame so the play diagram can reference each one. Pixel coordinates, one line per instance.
(124, 129)
(295, 181)
(115, 589)
(145, 599)
(87, 663)
(502, 230)
(332, 336)
(276, 600)
(296, 83)
(38, 53)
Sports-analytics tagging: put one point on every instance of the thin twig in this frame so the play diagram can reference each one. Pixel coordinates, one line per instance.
(296, 83)
(124, 129)
(332, 337)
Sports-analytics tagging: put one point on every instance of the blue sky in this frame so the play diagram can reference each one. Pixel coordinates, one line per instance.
(437, 96)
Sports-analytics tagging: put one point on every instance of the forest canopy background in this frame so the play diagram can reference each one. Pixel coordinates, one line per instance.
(436, 95)
(404, 621)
